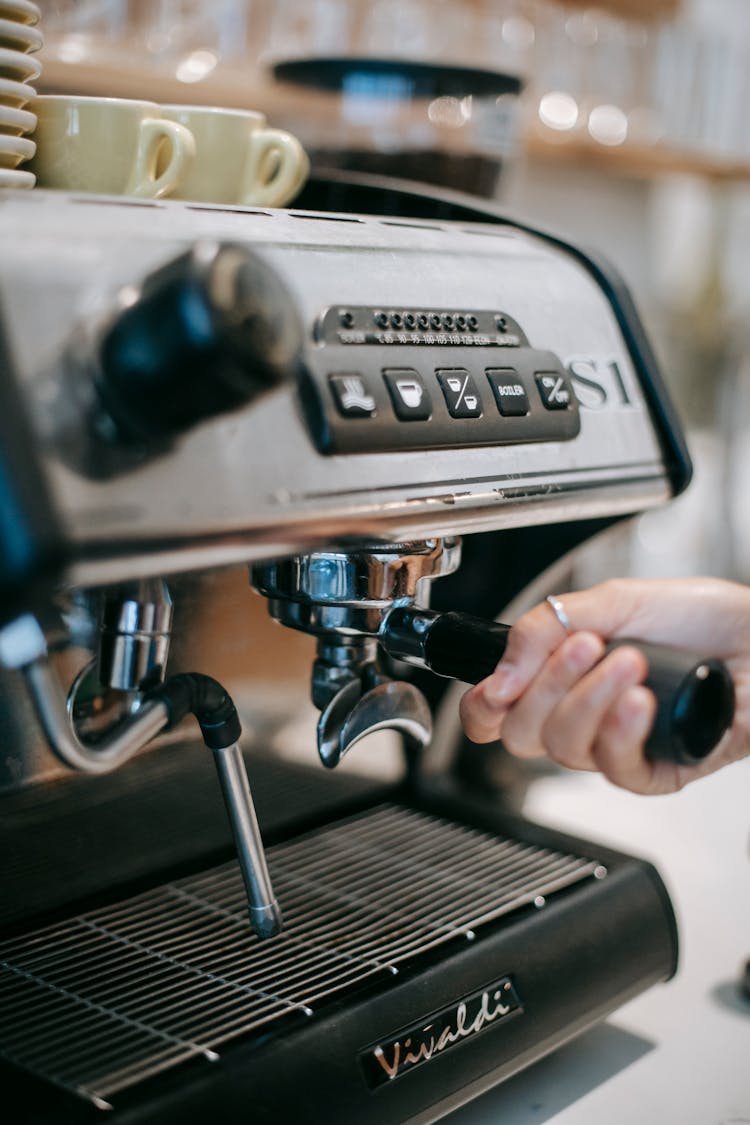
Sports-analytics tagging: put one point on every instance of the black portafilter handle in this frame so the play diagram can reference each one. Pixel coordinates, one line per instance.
(695, 698)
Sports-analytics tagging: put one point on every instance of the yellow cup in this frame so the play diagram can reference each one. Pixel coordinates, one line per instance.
(108, 145)
(238, 159)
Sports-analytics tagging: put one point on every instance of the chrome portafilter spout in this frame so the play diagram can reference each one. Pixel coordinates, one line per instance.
(356, 699)
(342, 596)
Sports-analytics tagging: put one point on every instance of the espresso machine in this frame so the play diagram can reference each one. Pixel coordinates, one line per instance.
(332, 398)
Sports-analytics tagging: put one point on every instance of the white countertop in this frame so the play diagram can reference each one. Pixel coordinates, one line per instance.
(680, 1053)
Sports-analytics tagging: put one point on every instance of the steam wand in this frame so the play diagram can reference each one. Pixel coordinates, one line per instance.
(23, 647)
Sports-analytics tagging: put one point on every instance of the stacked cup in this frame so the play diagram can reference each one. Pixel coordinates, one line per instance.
(19, 40)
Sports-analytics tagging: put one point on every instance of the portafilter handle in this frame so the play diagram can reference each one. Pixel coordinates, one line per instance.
(694, 697)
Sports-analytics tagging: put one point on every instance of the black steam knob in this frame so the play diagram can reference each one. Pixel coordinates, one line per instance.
(205, 334)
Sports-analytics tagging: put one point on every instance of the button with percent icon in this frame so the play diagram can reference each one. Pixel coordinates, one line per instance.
(460, 393)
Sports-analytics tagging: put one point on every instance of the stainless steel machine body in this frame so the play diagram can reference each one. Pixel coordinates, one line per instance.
(252, 484)
(206, 386)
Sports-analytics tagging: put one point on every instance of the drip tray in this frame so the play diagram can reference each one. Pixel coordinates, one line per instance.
(107, 999)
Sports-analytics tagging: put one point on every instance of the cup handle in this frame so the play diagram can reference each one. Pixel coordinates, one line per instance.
(144, 182)
(287, 177)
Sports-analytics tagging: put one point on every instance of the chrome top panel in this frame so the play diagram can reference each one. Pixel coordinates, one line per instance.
(252, 484)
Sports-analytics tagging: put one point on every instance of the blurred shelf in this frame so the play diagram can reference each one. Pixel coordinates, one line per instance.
(639, 10)
(111, 76)
(114, 74)
(634, 161)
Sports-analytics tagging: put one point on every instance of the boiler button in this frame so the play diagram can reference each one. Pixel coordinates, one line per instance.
(460, 393)
(411, 400)
(509, 391)
(351, 395)
(554, 389)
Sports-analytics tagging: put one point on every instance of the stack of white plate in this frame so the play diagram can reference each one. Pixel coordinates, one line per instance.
(19, 40)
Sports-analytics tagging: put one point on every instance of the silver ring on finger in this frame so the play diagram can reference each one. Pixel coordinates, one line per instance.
(559, 611)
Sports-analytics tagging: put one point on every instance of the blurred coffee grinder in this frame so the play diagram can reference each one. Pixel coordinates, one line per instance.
(451, 126)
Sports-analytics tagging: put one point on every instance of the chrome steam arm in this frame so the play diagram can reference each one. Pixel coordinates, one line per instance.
(23, 647)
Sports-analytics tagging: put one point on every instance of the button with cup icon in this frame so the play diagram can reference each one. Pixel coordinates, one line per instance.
(351, 395)
(460, 393)
(410, 398)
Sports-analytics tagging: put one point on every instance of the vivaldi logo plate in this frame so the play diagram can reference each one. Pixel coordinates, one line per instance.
(441, 1031)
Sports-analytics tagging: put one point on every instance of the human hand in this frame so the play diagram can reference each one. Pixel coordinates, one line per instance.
(552, 693)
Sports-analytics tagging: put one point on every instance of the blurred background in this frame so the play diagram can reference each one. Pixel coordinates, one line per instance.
(624, 127)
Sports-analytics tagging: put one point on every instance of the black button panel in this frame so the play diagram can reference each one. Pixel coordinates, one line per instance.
(510, 393)
(460, 392)
(411, 401)
(398, 398)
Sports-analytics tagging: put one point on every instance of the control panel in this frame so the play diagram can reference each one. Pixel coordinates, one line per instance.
(383, 379)
(216, 385)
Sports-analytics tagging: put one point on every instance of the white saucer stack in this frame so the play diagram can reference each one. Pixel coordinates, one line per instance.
(19, 40)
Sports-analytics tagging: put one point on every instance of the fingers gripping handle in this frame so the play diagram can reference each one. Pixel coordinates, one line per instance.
(695, 698)
(695, 703)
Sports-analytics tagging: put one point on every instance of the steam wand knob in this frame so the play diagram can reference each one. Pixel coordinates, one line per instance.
(206, 333)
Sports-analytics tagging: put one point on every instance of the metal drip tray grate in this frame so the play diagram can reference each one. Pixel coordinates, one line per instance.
(114, 996)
